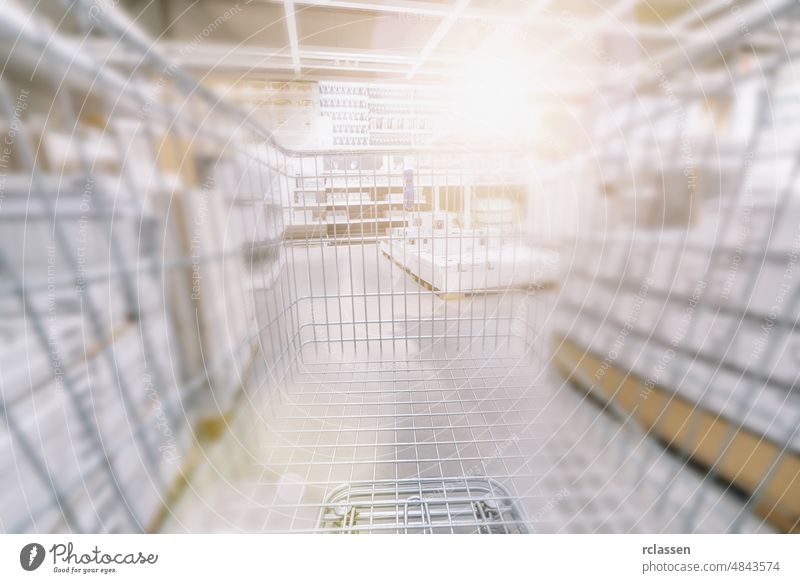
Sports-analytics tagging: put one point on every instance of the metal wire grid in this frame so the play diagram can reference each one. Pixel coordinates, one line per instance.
(402, 379)
(708, 506)
(469, 410)
(414, 422)
(195, 313)
(395, 433)
(388, 422)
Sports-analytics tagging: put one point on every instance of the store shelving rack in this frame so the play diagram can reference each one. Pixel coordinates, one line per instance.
(683, 319)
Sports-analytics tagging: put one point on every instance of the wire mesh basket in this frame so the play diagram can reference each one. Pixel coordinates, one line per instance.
(362, 340)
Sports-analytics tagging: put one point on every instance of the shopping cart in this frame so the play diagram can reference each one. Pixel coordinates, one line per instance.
(348, 341)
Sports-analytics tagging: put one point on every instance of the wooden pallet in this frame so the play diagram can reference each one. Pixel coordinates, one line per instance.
(445, 295)
(425, 284)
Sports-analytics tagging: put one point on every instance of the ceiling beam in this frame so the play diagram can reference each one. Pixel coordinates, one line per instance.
(405, 7)
(291, 29)
(229, 58)
(444, 27)
(545, 19)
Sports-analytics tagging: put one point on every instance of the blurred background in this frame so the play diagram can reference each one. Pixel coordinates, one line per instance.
(403, 266)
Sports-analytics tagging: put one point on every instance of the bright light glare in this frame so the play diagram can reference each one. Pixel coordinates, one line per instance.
(494, 100)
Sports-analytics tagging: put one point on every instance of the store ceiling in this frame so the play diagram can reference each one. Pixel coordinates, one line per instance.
(561, 46)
